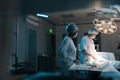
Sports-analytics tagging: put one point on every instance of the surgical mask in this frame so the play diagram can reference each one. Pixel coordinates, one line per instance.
(93, 37)
(75, 35)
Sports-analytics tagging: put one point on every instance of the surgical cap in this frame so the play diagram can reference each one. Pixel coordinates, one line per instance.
(71, 28)
(92, 31)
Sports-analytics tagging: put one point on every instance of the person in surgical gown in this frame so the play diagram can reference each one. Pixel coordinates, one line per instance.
(89, 56)
(67, 49)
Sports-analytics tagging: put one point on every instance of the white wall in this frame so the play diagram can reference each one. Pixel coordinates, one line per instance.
(42, 39)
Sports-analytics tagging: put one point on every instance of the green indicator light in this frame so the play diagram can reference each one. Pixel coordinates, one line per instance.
(50, 31)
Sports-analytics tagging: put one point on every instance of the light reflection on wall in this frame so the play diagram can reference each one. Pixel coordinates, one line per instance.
(97, 4)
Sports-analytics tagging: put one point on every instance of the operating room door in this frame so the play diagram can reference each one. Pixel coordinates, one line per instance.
(32, 50)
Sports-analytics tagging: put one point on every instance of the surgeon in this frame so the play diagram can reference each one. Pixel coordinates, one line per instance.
(89, 56)
(67, 49)
(88, 52)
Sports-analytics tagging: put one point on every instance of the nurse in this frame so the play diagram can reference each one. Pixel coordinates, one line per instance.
(67, 49)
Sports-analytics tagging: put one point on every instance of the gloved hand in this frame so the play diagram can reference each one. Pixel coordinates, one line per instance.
(76, 62)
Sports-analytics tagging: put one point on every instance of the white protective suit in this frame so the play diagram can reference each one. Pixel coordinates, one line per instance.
(107, 68)
(67, 52)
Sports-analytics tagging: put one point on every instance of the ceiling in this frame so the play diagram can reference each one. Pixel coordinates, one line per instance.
(64, 11)
(33, 6)
(77, 16)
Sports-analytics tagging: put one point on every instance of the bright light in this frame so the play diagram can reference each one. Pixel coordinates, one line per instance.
(105, 26)
(42, 15)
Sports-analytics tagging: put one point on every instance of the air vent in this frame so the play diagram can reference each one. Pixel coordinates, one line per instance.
(67, 16)
(30, 21)
(33, 17)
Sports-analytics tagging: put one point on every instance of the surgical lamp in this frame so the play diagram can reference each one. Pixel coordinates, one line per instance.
(105, 26)
(104, 21)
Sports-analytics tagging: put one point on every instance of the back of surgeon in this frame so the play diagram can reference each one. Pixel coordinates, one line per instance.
(67, 53)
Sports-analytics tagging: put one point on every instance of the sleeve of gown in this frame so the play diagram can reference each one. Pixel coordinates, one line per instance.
(83, 44)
